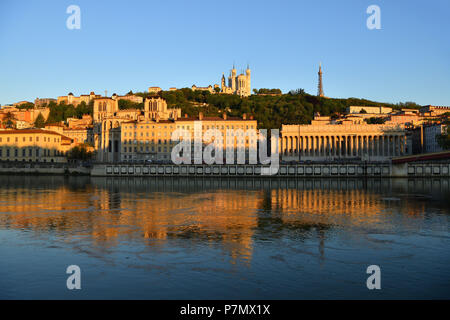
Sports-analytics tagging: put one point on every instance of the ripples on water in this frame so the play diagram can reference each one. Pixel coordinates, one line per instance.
(207, 238)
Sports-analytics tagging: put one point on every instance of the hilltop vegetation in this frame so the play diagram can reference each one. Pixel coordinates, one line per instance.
(295, 107)
(62, 111)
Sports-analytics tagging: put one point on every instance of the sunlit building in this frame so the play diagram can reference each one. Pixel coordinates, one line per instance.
(33, 145)
(71, 99)
(326, 141)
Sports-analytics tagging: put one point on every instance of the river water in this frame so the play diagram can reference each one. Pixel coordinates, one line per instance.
(179, 238)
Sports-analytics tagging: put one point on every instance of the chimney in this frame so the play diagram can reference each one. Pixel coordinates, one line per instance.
(200, 116)
(244, 116)
(185, 115)
(251, 117)
(224, 115)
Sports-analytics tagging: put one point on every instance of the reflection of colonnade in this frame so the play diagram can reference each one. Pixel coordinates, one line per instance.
(332, 141)
(355, 207)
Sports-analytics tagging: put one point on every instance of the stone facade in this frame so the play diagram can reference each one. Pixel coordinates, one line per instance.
(434, 110)
(71, 99)
(123, 140)
(369, 109)
(327, 142)
(431, 132)
(33, 145)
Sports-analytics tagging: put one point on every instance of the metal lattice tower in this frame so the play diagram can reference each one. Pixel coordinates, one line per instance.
(320, 86)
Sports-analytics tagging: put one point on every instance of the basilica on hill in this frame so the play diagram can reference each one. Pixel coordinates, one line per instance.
(236, 84)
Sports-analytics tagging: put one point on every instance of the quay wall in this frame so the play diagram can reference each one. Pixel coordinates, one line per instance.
(285, 170)
(35, 168)
(326, 170)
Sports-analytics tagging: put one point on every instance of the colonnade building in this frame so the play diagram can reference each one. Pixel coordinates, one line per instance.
(329, 142)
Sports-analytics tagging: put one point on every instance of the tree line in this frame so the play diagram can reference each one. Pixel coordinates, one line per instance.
(295, 107)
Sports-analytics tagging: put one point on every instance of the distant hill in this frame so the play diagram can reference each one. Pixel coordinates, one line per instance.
(296, 107)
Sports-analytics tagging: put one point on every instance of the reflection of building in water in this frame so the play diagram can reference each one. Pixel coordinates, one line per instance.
(336, 207)
(228, 218)
(159, 212)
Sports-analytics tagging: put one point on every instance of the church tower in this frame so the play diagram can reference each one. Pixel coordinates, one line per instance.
(232, 79)
(320, 86)
(248, 84)
(222, 84)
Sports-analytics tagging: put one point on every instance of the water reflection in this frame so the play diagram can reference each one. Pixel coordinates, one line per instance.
(230, 213)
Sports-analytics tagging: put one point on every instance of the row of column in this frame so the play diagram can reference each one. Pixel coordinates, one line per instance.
(344, 146)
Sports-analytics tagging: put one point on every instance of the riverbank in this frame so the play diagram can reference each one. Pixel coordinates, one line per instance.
(320, 170)
(43, 169)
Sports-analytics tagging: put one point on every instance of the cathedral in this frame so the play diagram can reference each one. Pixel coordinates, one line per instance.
(237, 84)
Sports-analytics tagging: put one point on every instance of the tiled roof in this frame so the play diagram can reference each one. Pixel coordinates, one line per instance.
(28, 131)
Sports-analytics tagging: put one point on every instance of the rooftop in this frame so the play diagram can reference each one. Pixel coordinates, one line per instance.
(29, 131)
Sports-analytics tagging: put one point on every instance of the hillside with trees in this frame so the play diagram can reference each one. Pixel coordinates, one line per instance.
(268, 106)
(62, 111)
(295, 107)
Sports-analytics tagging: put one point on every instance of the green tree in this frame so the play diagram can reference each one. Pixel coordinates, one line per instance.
(444, 141)
(80, 152)
(375, 120)
(26, 106)
(40, 121)
(9, 120)
(126, 104)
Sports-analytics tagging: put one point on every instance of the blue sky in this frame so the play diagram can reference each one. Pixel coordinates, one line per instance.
(131, 45)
